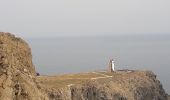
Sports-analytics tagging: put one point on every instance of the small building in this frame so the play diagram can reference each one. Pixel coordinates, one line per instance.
(111, 65)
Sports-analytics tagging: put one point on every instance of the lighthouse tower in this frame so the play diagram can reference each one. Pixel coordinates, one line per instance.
(111, 66)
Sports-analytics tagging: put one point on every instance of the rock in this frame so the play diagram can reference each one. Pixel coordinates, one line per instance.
(16, 67)
(25, 70)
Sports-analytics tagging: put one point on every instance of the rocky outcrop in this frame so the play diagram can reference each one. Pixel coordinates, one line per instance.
(18, 80)
(17, 73)
(141, 85)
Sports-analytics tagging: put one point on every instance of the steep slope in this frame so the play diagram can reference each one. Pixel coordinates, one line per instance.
(17, 73)
(18, 80)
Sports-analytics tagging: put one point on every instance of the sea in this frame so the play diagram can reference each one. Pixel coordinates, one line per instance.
(76, 54)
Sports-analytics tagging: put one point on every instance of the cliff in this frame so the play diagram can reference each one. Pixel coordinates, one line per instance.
(18, 80)
(120, 85)
(17, 73)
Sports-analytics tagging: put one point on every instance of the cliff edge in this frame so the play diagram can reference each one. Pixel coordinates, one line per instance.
(18, 80)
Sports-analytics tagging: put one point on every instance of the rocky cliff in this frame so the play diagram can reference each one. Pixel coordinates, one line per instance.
(17, 73)
(18, 80)
(137, 85)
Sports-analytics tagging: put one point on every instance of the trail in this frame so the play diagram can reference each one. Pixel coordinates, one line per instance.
(101, 74)
(104, 76)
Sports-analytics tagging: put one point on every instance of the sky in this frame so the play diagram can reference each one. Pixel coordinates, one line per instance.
(48, 18)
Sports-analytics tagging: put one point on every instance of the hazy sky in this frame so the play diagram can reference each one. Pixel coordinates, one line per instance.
(34, 18)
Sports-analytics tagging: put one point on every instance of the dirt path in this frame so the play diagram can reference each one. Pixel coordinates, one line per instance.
(104, 76)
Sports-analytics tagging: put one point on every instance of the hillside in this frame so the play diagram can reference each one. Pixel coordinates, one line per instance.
(18, 80)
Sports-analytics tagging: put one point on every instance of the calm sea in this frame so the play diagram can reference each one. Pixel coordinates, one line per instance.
(60, 55)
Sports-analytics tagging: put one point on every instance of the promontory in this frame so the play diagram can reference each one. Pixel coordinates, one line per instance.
(19, 81)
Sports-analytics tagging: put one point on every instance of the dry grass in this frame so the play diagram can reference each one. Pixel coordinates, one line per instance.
(67, 79)
(64, 80)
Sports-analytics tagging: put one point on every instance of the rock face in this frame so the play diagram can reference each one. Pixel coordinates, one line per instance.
(18, 80)
(17, 73)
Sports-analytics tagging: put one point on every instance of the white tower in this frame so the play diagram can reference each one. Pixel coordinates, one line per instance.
(113, 65)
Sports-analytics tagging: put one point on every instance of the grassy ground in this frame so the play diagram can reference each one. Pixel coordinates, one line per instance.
(68, 79)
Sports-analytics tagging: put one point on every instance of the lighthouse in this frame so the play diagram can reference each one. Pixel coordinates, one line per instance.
(111, 65)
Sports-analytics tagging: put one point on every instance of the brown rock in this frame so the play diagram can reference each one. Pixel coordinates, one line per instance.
(16, 67)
